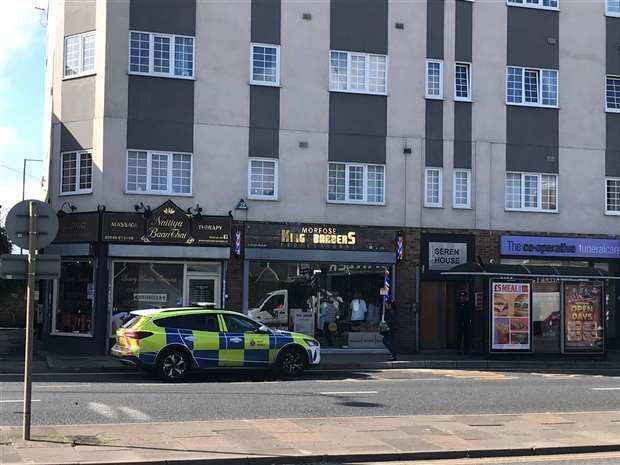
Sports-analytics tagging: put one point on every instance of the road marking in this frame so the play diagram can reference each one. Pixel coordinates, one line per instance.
(135, 414)
(606, 389)
(347, 393)
(102, 409)
(17, 401)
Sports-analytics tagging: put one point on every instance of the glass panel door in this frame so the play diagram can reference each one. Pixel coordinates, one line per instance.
(201, 290)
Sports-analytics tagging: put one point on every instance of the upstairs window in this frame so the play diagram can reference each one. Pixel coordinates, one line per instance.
(462, 82)
(462, 188)
(613, 8)
(612, 196)
(434, 79)
(265, 65)
(356, 183)
(543, 4)
(76, 173)
(161, 55)
(159, 173)
(358, 72)
(433, 188)
(263, 179)
(612, 94)
(531, 192)
(79, 55)
(531, 87)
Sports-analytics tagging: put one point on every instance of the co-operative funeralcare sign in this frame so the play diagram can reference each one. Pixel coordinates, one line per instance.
(573, 247)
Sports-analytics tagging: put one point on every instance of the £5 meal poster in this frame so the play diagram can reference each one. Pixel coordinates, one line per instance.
(510, 318)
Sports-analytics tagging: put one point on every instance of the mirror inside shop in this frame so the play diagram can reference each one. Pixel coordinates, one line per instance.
(339, 304)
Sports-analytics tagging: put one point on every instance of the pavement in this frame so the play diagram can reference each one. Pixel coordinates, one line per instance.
(50, 362)
(312, 440)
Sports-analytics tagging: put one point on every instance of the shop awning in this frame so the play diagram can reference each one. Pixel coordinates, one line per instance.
(528, 271)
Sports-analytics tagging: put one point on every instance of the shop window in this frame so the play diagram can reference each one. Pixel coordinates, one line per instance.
(73, 312)
(546, 318)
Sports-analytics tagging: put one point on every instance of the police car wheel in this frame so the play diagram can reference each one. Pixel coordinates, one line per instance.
(173, 365)
(291, 362)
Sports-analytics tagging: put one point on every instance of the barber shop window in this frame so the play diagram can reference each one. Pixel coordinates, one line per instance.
(74, 297)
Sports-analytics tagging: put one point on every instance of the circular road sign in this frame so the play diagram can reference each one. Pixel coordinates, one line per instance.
(18, 222)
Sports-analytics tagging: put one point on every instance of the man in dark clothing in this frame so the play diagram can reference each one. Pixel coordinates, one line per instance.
(464, 323)
(388, 333)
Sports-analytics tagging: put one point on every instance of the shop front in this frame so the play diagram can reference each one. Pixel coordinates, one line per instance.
(117, 262)
(327, 281)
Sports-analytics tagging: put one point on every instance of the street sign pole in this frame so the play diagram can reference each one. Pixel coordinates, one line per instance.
(32, 247)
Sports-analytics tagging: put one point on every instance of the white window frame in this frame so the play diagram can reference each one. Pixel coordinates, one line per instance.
(264, 83)
(606, 188)
(81, 72)
(427, 94)
(615, 14)
(169, 74)
(468, 204)
(539, 103)
(364, 166)
(78, 157)
(367, 56)
(539, 194)
(428, 204)
(607, 108)
(275, 180)
(538, 5)
(469, 82)
(169, 191)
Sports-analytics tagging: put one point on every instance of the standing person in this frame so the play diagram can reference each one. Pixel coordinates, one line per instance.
(358, 307)
(387, 326)
(464, 323)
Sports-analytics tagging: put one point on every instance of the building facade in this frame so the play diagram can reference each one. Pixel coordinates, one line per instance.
(269, 154)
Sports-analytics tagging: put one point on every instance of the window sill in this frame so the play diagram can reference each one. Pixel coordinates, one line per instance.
(78, 76)
(612, 110)
(612, 213)
(169, 194)
(265, 84)
(381, 94)
(534, 7)
(349, 202)
(612, 15)
(433, 97)
(533, 105)
(456, 207)
(428, 205)
(268, 199)
(465, 100)
(165, 76)
(67, 194)
(60, 333)
(526, 210)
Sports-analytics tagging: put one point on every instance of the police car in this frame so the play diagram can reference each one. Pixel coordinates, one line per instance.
(176, 340)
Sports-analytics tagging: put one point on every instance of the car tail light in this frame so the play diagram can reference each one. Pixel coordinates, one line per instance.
(133, 334)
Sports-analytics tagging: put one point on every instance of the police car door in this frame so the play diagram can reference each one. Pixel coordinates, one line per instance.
(245, 346)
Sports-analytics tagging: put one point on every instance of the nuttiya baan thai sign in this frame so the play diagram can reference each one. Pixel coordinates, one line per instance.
(167, 224)
(319, 236)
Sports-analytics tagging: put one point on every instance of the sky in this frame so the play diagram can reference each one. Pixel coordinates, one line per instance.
(23, 37)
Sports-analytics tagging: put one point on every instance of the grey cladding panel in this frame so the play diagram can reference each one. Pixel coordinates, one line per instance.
(532, 139)
(357, 127)
(434, 133)
(462, 135)
(80, 16)
(359, 26)
(434, 28)
(160, 113)
(266, 21)
(463, 32)
(76, 135)
(613, 45)
(528, 32)
(168, 16)
(264, 121)
(612, 154)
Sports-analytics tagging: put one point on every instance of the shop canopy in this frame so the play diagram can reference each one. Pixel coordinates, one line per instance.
(492, 270)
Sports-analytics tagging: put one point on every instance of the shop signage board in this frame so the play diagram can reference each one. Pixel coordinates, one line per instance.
(319, 236)
(510, 316)
(445, 255)
(583, 317)
(167, 224)
(569, 247)
(78, 227)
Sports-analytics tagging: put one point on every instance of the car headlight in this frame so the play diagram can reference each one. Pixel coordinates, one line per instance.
(311, 342)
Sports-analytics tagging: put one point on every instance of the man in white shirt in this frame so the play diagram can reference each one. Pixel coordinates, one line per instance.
(358, 307)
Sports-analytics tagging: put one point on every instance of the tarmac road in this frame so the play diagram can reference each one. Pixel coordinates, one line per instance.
(136, 397)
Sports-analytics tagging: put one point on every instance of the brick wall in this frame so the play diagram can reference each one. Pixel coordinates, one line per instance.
(234, 274)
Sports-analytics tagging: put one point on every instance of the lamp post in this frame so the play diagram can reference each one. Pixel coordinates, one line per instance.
(26, 160)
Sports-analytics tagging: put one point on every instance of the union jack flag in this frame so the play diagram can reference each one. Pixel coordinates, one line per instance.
(386, 284)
